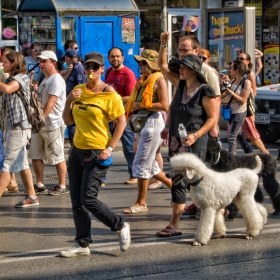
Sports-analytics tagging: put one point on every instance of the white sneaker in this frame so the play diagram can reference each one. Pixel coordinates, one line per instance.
(124, 237)
(75, 251)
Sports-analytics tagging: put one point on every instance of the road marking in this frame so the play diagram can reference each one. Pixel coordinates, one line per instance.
(136, 243)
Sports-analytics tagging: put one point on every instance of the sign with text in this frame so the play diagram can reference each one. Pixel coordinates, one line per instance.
(225, 37)
(254, 3)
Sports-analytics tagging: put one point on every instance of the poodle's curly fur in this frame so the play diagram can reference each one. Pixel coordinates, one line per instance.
(211, 191)
(223, 161)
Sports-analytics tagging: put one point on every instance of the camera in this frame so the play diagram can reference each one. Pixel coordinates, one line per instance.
(226, 85)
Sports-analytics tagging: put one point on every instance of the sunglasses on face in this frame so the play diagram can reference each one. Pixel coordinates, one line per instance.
(142, 63)
(42, 60)
(242, 58)
(36, 50)
(93, 66)
(203, 58)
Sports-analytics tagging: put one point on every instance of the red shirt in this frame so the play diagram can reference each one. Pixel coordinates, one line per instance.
(123, 80)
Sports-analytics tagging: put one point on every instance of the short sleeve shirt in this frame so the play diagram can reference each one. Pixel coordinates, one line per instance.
(91, 113)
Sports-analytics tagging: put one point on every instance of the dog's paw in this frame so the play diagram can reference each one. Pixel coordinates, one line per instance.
(196, 243)
(249, 237)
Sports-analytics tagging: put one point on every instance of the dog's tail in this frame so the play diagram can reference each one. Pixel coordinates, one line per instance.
(258, 168)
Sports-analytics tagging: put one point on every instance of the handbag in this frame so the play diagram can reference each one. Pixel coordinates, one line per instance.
(226, 112)
(137, 122)
(251, 104)
(2, 157)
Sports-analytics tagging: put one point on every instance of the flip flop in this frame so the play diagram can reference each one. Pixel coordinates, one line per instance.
(134, 209)
(168, 232)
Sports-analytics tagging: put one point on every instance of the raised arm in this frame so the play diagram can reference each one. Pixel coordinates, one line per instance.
(174, 78)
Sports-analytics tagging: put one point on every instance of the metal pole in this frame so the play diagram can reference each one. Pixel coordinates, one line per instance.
(163, 15)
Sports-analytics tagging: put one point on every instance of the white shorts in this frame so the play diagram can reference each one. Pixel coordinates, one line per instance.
(48, 145)
(145, 165)
(15, 152)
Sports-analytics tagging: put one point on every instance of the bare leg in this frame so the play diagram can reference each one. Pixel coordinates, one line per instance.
(159, 160)
(13, 180)
(176, 214)
(38, 166)
(259, 144)
(61, 170)
(26, 177)
(5, 178)
(162, 178)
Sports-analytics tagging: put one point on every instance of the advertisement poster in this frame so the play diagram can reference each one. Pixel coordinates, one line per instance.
(128, 30)
(225, 37)
(271, 64)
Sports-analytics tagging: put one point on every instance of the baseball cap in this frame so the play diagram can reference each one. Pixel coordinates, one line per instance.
(47, 55)
(94, 57)
(71, 53)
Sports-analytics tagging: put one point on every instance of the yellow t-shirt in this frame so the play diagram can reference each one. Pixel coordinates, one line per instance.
(91, 113)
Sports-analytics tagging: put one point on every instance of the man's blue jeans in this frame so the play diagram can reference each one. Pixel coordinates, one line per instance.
(127, 140)
(84, 183)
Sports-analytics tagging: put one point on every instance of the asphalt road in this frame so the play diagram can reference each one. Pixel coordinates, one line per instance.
(31, 238)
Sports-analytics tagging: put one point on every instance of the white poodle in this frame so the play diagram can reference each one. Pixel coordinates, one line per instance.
(212, 191)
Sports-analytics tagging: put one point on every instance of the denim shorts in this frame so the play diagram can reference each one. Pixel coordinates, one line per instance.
(16, 158)
(48, 145)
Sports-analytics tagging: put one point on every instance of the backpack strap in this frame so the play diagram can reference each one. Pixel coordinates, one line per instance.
(20, 95)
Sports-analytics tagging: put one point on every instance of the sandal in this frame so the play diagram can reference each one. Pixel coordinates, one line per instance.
(12, 189)
(155, 185)
(168, 232)
(135, 209)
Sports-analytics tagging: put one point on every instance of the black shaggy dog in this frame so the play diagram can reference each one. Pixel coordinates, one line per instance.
(223, 161)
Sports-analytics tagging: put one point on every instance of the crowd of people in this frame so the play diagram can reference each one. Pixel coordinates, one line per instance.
(100, 113)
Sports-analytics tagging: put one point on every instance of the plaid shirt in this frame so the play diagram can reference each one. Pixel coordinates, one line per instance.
(15, 109)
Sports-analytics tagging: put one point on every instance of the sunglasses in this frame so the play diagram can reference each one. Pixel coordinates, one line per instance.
(36, 50)
(242, 58)
(142, 63)
(42, 60)
(93, 66)
(203, 58)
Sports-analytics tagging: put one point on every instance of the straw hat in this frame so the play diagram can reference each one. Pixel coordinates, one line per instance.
(150, 57)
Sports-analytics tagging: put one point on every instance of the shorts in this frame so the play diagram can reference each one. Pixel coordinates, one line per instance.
(16, 158)
(48, 145)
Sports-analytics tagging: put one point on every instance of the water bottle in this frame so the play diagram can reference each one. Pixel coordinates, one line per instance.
(182, 131)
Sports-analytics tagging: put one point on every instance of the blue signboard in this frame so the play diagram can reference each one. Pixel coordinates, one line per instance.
(226, 32)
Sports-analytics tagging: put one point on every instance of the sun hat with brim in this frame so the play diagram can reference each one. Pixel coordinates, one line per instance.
(47, 55)
(150, 56)
(94, 57)
(192, 61)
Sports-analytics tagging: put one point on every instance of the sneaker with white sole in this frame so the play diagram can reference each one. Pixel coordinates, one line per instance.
(124, 237)
(40, 189)
(28, 201)
(75, 251)
(58, 190)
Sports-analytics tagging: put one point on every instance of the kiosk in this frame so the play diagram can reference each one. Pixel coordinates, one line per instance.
(95, 25)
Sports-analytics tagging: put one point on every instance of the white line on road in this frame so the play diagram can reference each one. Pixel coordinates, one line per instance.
(136, 243)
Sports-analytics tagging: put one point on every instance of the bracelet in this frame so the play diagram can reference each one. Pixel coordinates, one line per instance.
(195, 136)
(163, 46)
(166, 126)
(110, 148)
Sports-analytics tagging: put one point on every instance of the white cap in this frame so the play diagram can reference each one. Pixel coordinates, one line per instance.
(47, 54)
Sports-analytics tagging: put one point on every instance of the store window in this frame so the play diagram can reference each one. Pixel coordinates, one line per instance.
(150, 19)
(68, 29)
(40, 29)
(9, 24)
